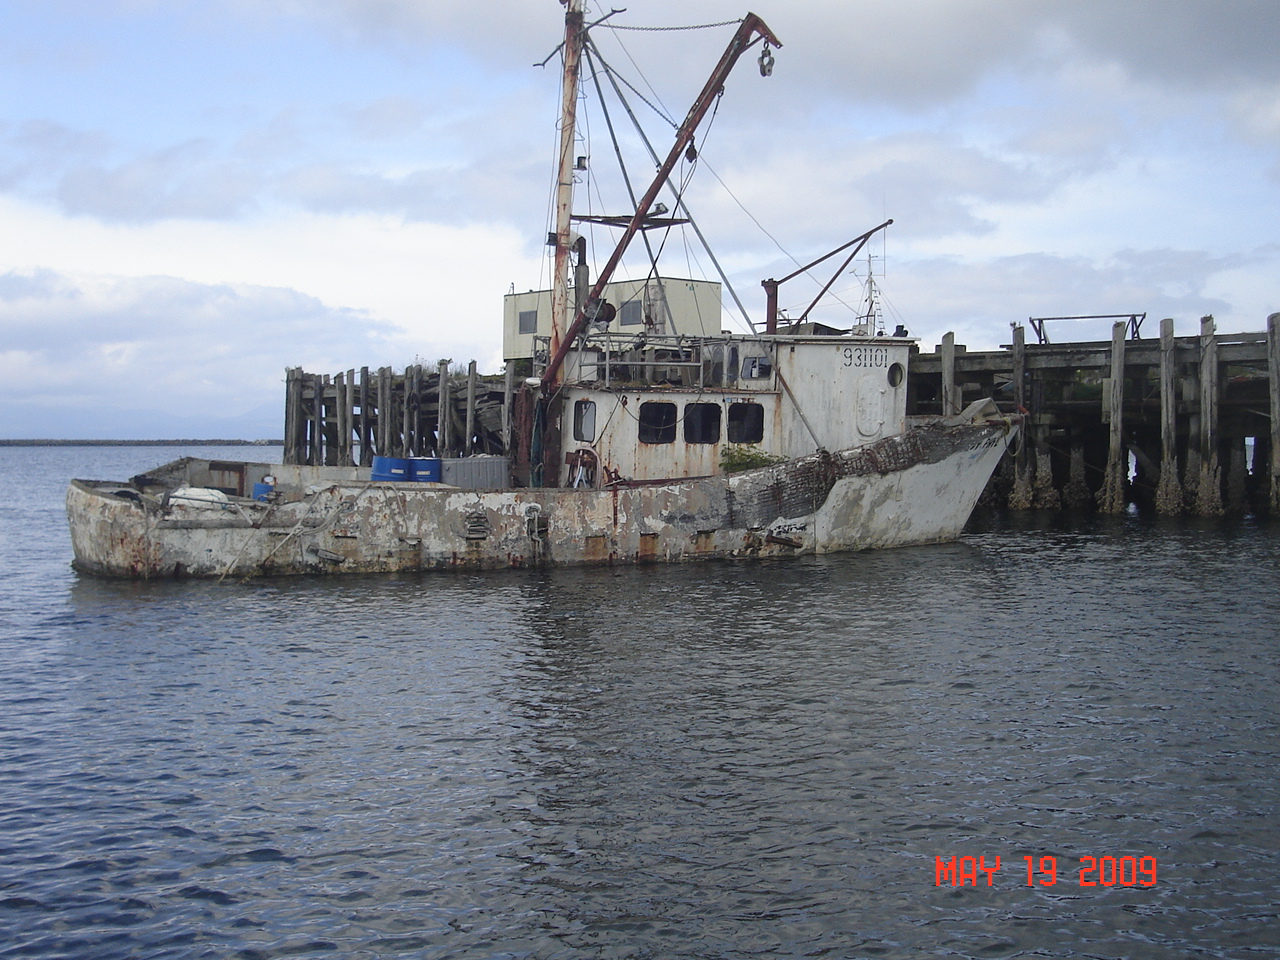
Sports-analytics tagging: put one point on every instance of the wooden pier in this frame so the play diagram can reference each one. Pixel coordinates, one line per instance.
(1175, 424)
(349, 418)
(1198, 418)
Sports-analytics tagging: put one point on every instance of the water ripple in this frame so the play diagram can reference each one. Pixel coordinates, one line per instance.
(728, 761)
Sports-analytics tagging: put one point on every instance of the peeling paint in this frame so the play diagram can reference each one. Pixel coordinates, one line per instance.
(919, 487)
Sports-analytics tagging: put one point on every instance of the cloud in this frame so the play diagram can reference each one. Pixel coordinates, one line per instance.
(909, 52)
(165, 344)
(288, 171)
(185, 182)
(979, 298)
(388, 118)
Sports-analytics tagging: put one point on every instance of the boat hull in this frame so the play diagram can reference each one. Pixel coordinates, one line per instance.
(919, 487)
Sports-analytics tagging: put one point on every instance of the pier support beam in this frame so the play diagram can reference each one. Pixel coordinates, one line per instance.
(1209, 490)
(1111, 498)
(1169, 490)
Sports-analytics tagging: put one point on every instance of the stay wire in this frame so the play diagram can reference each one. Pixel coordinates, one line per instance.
(699, 26)
(680, 205)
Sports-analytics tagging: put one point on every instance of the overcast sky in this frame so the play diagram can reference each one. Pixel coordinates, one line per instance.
(196, 195)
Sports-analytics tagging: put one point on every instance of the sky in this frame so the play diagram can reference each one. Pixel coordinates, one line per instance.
(196, 195)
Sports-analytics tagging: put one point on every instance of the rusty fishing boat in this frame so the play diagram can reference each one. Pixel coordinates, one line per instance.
(641, 432)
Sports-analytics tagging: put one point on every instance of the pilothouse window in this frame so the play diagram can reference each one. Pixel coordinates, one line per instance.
(702, 423)
(657, 422)
(746, 423)
(632, 313)
(584, 421)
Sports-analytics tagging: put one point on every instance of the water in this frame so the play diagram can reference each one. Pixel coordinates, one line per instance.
(719, 761)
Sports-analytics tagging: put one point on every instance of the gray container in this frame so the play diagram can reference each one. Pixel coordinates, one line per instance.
(476, 473)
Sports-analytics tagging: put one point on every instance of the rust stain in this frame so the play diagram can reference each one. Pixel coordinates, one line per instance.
(595, 548)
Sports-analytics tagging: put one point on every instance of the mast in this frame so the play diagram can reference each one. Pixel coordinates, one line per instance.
(573, 39)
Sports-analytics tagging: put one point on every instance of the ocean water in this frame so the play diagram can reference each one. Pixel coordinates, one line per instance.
(715, 761)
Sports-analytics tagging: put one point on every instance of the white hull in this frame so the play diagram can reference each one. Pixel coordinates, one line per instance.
(916, 488)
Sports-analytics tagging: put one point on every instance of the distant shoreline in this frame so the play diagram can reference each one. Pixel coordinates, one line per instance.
(141, 443)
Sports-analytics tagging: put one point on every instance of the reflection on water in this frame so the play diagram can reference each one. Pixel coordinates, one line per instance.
(724, 760)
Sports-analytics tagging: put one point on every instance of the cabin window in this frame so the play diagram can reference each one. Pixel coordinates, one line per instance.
(528, 321)
(632, 313)
(702, 423)
(657, 422)
(746, 423)
(756, 368)
(584, 421)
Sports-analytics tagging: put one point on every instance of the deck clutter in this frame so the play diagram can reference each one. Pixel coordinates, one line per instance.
(1178, 425)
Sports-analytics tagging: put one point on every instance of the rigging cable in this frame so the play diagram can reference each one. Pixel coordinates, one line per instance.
(698, 26)
(761, 226)
(680, 204)
(617, 149)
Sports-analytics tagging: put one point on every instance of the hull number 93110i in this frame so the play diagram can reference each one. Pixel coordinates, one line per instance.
(866, 357)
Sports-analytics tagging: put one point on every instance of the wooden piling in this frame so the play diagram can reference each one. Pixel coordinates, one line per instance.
(1169, 490)
(384, 412)
(366, 419)
(948, 350)
(1209, 488)
(1076, 494)
(328, 423)
(1020, 497)
(1237, 475)
(343, 437)
(1045, 495)
(295, 431)
(442, 419)
(316, 456)
(471, 409)
(1273, 370)
(406, 415)
(1111, 498)
(349, 404)
(508, 396)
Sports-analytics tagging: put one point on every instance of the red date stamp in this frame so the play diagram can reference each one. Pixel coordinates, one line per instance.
(1043, 871)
